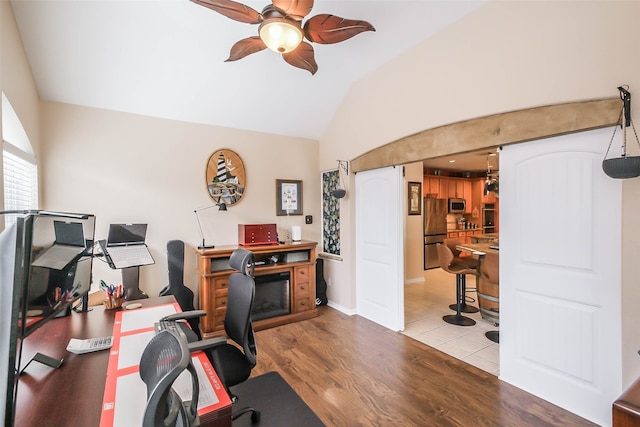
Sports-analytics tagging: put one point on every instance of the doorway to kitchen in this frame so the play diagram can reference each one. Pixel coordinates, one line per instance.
(512, 128)
(425, 304)
(466, 185)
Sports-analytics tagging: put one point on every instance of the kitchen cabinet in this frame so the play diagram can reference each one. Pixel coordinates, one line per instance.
(464, 235)
(432, 186)
(467, 194)
(471, 190)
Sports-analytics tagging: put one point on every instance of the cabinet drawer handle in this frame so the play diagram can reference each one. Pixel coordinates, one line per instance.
(223, 284)
(302, 287)
(302, 272)
(303, 303)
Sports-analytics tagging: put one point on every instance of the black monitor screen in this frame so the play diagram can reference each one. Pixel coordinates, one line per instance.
(120, 234)
(45, 266)
(61, 259)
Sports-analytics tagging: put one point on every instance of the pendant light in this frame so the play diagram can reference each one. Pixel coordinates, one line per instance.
(624, 166)
(491, 182)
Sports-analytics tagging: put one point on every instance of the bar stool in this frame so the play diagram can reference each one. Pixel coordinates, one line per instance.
(446, 260)
(470, 263)
(488, 284)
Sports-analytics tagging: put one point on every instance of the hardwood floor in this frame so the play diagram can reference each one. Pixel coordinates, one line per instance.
(353, 372)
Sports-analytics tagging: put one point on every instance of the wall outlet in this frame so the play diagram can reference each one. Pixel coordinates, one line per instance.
(308, 219)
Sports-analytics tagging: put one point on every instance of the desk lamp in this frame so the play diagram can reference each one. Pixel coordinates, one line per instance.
(221, 207)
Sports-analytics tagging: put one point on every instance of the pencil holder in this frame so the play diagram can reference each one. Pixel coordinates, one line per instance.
(113, 302)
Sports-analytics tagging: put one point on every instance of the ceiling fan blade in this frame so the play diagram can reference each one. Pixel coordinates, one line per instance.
(231, 9)
(328, 29)
(245, 47)
(296, 9)
(302, 57)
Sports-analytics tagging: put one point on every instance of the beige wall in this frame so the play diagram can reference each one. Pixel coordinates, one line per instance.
(128, 168)
(503, 57)
(414, 230)
(16, 81)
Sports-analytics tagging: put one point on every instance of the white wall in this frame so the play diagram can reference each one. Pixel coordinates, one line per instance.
(505, 56)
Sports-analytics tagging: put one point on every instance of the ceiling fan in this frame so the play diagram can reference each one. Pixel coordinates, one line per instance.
(281, 30)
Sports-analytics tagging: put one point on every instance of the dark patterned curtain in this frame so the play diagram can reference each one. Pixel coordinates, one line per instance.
(330, 213)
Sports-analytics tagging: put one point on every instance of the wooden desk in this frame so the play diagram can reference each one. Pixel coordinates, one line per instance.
(72, 394)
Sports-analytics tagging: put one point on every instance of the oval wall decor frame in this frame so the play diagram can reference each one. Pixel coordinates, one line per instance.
(225, 177)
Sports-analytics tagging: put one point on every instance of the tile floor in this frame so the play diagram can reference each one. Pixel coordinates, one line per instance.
(425, 304)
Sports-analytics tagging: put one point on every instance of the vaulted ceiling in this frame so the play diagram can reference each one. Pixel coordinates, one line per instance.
(165, 58)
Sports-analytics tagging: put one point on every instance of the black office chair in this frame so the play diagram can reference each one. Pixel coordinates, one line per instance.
(233, 364)
(177, 288)
(164, 358)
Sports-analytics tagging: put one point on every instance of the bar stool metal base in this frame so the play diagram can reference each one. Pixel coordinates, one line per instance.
(458, 320)
(493, 336)
(461, 294)
(465, 308)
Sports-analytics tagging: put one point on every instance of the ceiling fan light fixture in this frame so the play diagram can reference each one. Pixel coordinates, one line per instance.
(280, 34)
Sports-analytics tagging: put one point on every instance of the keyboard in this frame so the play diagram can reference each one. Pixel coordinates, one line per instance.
(58, 256)
(79, 346)
(130, 256)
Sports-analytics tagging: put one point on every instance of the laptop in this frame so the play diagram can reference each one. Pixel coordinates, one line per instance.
(69, 245)
(126, 245)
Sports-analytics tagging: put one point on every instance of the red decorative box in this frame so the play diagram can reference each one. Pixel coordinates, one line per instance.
(257, 234)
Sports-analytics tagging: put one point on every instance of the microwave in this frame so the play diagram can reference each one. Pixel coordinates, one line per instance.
(457, 206)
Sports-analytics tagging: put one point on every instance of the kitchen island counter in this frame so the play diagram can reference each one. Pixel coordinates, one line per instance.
(484, 238)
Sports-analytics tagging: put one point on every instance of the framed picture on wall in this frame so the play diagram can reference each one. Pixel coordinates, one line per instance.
(415, 198)
(288, 197)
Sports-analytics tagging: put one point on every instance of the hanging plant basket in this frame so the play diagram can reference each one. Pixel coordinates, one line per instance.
(622, 167)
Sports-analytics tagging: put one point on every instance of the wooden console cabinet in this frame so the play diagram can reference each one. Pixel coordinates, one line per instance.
(626, 409)
(297, 258)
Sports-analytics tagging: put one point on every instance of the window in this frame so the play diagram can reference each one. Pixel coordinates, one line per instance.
(20, 181)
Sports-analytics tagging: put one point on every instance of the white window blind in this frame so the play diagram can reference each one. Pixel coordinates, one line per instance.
(20, 181)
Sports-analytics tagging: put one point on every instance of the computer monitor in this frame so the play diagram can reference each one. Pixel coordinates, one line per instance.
(38, 284)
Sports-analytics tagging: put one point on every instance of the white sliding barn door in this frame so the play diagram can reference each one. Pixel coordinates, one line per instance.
(560, 280)
(379, 247)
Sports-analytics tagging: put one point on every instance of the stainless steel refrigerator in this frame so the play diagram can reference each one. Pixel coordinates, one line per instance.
(435, 229)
